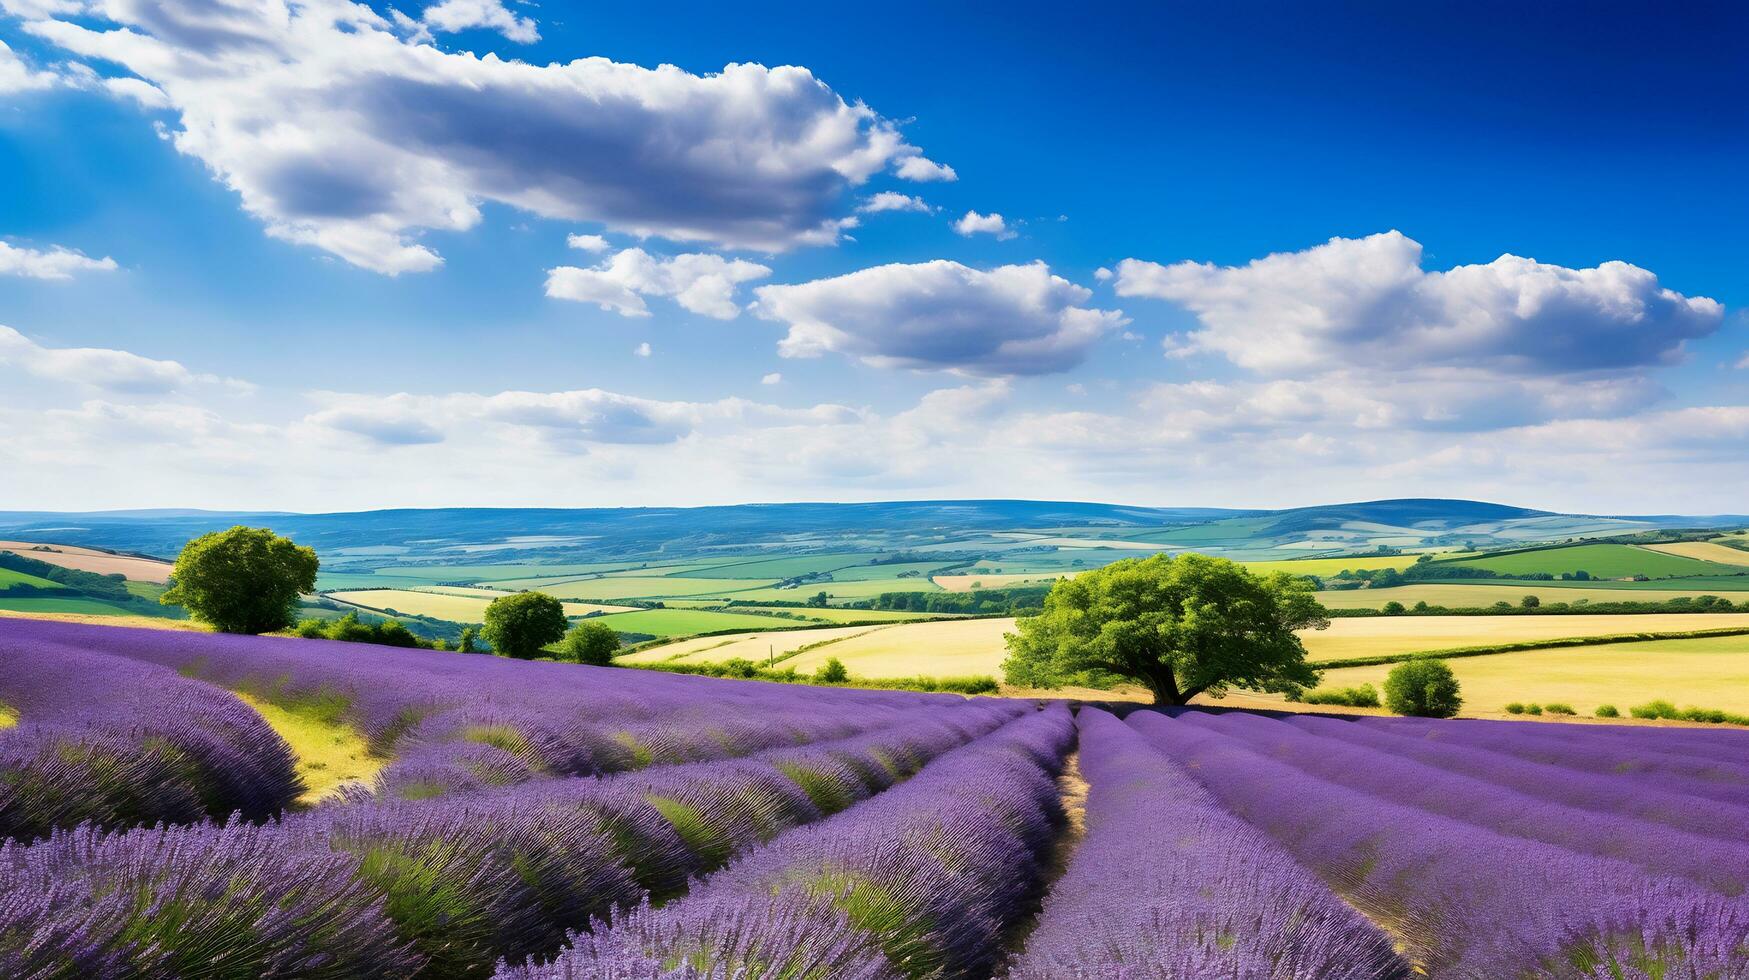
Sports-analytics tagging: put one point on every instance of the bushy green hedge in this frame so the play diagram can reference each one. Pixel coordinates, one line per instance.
(1361, 696)
(1667, 710)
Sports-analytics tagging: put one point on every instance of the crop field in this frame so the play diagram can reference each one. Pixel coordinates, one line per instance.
(51, 604)
(839, 591)
(648, 587)
(1600, 561)
(92, 560)
(1704, 551)
(1712, 672)
(457, 608)
(687, 622)
(1486, 592)
(940, 649)
(746, 646)
(539, 821)
(9, 578)
(1347, 639)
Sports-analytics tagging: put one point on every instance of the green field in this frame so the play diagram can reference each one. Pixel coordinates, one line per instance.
(1599, 560)
(782, 568)
(9, 578)
(833, 614)
(1707, 673)
(652, 587)
(687, 622)
(444, 605)
(840, 591)
(49, 604)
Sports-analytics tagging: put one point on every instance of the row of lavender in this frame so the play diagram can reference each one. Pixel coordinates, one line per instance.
(1488, 850)
(921, 881)
(117, 730)
(441, 888)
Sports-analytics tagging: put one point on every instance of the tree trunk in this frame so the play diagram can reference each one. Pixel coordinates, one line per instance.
(1165, 688)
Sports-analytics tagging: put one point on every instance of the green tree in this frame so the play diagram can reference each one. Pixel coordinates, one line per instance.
(1530, 602)
(519, 625)
(1424, 687)
(245, 580)
(590, 642)
(832, 671)
(465, 643)
(1181, 626)
(1393, 608)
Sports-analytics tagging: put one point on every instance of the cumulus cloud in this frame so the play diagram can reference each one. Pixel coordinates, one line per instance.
(774, 378)
(1369, 301)
(920, 169)
(588, 243)
(642, 350)
(702, 283)
(973, 223)
(941, 315)
(96, 367)
(894, 201)
(338, 130)
(16, 76)
(55, 263)
(452, 16)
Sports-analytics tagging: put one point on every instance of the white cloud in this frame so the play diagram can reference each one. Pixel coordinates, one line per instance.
(16, 76)
(1014, 319)
(1743, 362)
(338, 132)
(95, 367)
(452, 16)
(702, 283)
(56, 263)
(1368, 301)
(919, 169)
(774, 378)
(894, 201)
(642, 350)
(588, 243)
(973, 223)
(1102, 274)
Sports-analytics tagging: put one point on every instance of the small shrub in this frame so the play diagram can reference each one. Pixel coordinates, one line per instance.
(1533, 709)
(1393, 608)
(1558, 708)
(1607, 711)
(1515, 708)
(1654, 709)
(1423, 687)
(1363, 696)
(832, 671)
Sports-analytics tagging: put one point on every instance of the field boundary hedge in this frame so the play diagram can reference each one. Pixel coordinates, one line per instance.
(1569, 641)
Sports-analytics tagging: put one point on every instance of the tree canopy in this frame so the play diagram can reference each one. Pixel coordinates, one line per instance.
(1182, 626)
(1423, 687)
(244, 580)
(519, 625)
(590, 642)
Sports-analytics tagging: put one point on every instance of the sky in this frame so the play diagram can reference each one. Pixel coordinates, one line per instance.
(327, 256)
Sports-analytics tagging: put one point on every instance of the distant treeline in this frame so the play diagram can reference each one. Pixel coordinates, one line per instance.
(989, 602)
(1681, 604)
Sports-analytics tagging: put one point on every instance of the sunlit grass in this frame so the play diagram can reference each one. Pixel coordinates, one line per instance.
(330, 754)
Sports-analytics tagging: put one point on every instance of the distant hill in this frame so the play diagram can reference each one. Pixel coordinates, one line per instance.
(938, 526)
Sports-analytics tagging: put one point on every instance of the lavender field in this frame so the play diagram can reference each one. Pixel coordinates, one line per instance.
(539, 820)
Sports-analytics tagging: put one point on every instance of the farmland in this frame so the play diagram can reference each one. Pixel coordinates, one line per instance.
(541, 820)
(1486, 592)
(1711, 673)
(1599, 561)
(976, 646)
(456, 608)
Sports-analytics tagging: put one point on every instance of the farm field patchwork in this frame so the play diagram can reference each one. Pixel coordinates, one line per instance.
(456, 608)
(51, 604)
(838, 591)
(92, 560)
(1350, 845)
(1599, 560)
(745, 646)
(1380, 635)
(650, 587)
(1487, 592)
(1704, 551)
(686, 622)
(1711, 673)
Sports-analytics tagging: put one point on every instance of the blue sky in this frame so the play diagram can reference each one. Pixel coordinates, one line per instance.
(314, 256)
